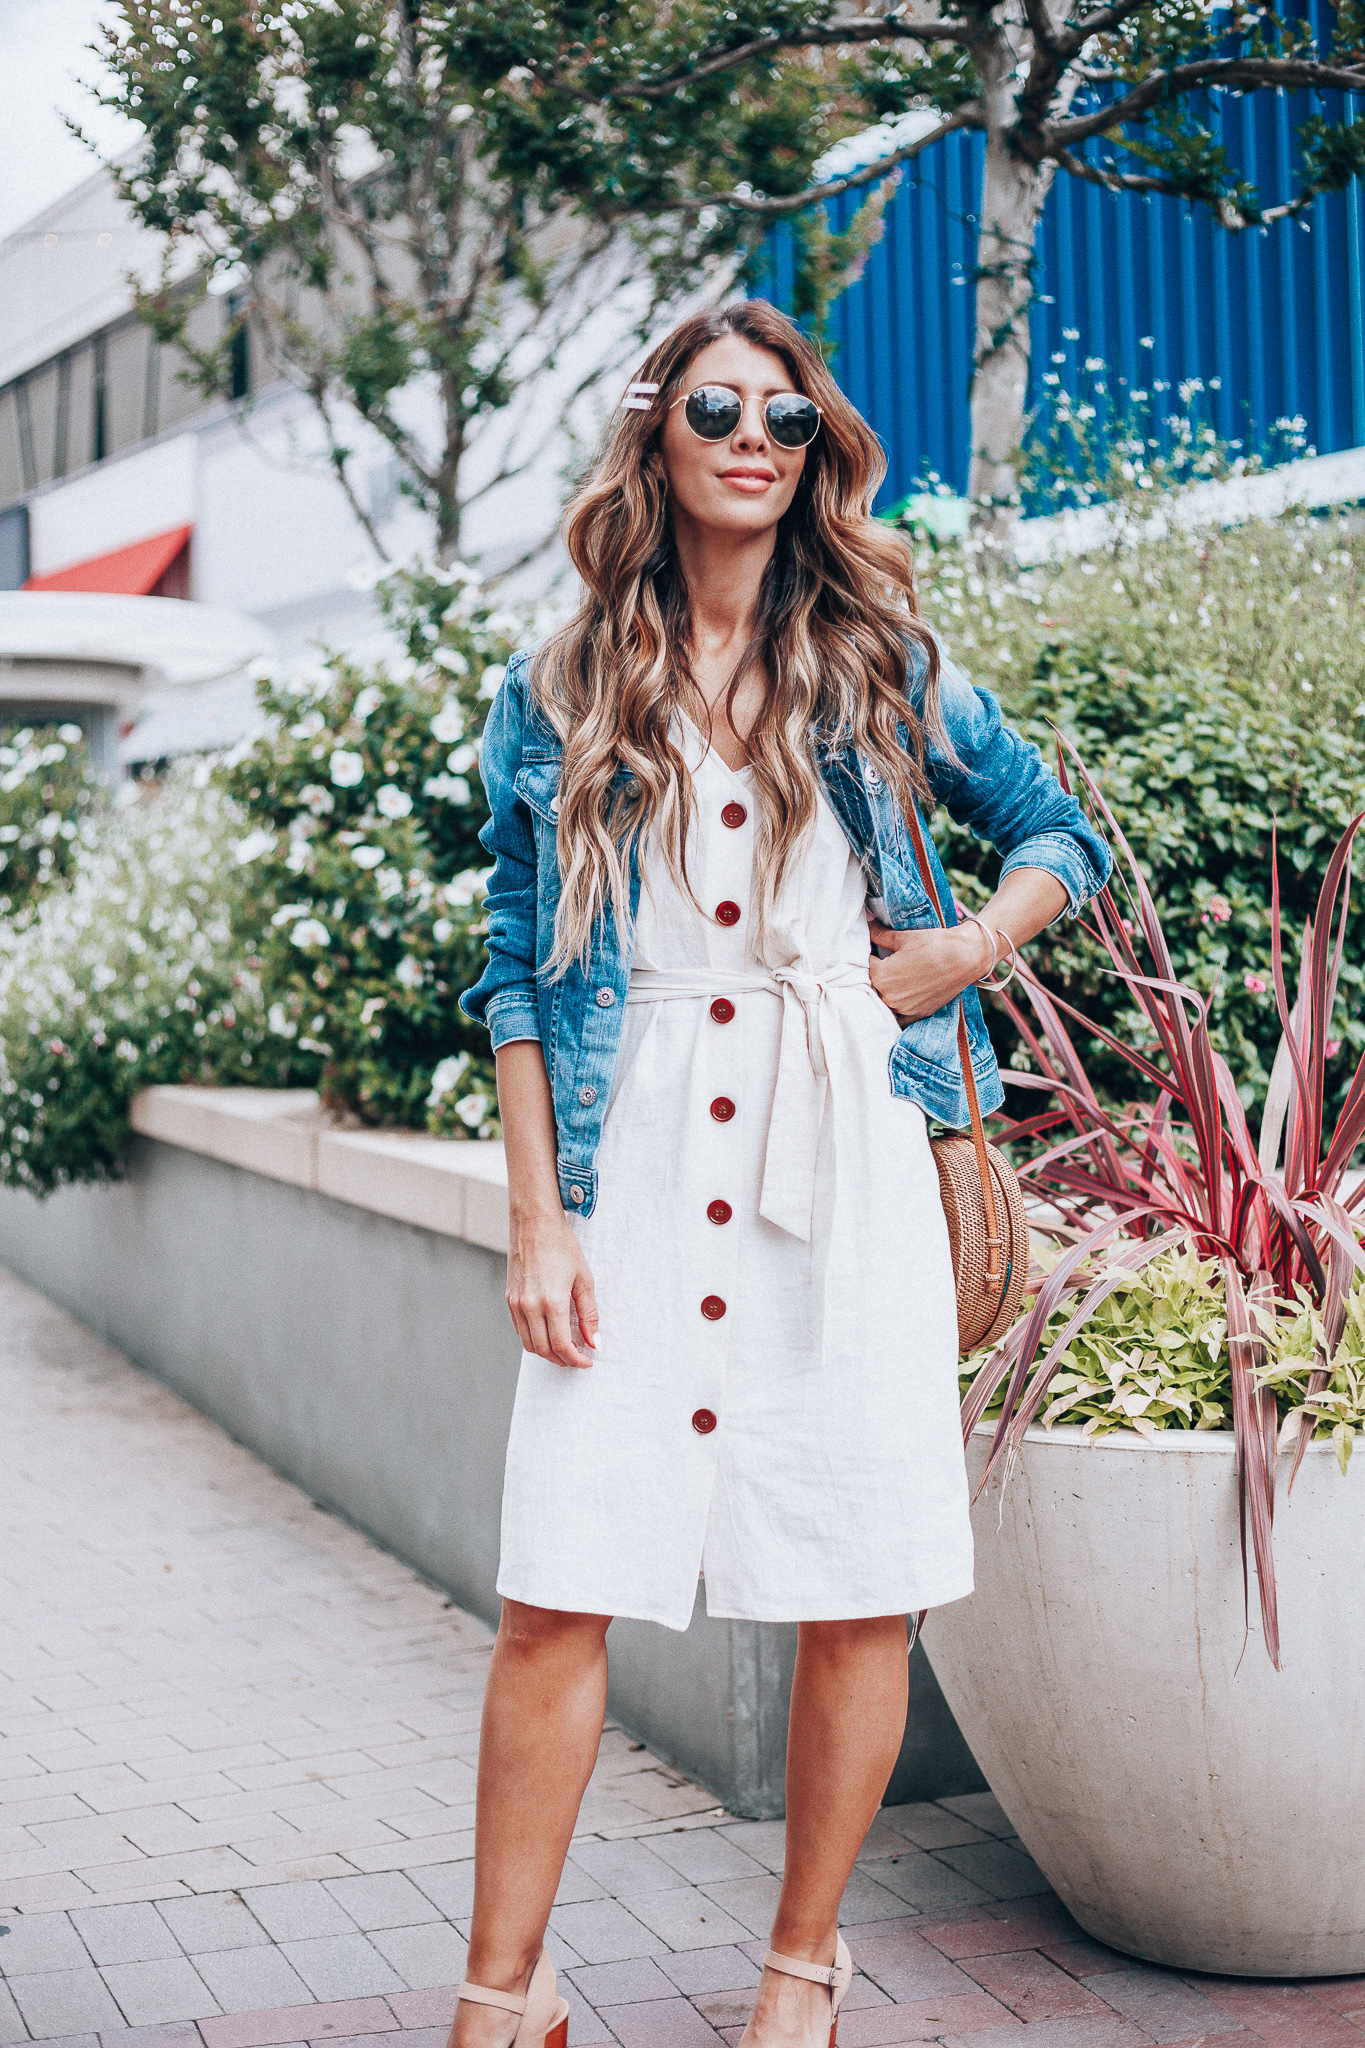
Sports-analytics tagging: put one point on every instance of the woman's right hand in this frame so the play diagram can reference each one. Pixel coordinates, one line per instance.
(550, 1291)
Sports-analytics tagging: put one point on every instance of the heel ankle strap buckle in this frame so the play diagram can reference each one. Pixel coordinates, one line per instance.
(796, 1966)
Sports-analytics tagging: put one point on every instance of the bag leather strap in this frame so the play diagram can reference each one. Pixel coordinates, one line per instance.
(994, 1241)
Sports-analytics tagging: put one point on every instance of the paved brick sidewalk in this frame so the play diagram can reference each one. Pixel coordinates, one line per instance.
(236, 1771)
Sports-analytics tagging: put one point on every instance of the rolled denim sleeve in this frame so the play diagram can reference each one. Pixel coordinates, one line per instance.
(1000, 787)
(504, 997)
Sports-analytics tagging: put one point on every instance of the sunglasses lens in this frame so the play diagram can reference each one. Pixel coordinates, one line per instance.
(793, 421)
(713, 412)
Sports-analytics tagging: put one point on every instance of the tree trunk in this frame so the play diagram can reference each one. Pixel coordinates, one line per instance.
(1013, 192)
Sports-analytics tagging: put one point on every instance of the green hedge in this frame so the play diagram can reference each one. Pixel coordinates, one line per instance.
(1215, 684)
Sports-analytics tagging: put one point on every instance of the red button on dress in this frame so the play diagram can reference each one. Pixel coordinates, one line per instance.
(722, 1009)
(728, 913)
(713, 1308)
(719, 1212)
(722, 1109)
(703, 1422)
(733, 815)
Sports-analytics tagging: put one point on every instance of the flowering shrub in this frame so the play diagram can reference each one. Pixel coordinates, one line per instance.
(49, 798)
(362, 878)
(1215, 684)
(127, 975)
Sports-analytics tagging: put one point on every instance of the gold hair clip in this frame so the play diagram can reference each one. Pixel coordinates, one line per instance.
(638, 396)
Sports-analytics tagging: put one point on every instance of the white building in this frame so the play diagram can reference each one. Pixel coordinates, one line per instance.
(118, 477)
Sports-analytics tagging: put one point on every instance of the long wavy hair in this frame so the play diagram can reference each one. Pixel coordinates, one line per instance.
(836, 617)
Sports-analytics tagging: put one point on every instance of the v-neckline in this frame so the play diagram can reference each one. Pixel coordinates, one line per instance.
(710, 752)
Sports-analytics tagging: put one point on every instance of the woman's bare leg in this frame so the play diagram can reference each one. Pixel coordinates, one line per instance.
(542, 1724)
(847, 1719)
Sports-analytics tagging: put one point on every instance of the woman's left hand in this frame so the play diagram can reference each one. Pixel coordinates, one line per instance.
(926, 969)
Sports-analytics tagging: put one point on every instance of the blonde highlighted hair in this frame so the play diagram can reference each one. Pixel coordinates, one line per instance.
(837, 615)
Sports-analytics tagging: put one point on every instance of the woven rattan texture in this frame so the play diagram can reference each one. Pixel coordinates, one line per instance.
(983, 1313)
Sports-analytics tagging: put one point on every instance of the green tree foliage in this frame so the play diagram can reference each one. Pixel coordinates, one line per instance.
(432, 186)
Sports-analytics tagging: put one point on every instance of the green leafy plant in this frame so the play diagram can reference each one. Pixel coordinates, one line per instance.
(361, 874)
(49, 799)
(1180, 1168)
(1214, 681)
(125, 976)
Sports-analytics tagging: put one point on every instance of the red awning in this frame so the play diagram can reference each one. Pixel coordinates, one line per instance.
(127, 572)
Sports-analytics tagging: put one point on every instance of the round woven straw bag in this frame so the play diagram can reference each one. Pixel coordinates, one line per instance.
(985, 1307)
(979, 1189)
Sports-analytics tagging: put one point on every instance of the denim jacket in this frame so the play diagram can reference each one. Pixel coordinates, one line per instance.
(998, 786)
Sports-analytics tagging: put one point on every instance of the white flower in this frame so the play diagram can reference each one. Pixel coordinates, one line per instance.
(463, 758)
(390, 883)
(393, 802)
(308, 727)
(452, 789)
(347, 768)
(125, 1049)
(367, 856)
(442, 930)
(253, 846)
(448, 723)
(491, 679)
(70, 733)
(317, 799)
(447, 1076)
(471, 1110)
(465, 887)
(279, 1022)
(311, 932)
(450, 658)
(408, 973)
(287, 911)
(369, 700)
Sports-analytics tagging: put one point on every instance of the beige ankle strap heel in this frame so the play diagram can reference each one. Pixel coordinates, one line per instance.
(544, 2014)
(836, 1976)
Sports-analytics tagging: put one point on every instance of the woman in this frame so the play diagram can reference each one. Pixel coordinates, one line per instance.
(729, 1268)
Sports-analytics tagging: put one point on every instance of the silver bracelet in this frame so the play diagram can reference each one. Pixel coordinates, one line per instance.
(970, 917)
(987, 982)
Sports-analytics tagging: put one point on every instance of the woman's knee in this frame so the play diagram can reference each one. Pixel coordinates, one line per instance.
(549, 1631)
(847, 1642)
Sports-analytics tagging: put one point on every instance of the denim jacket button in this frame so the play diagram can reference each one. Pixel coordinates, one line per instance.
(554, 806)
(587, 1096)
(605, 998)
(871, 777)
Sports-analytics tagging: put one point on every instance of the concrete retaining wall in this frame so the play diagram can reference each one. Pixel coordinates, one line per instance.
(335, 1300)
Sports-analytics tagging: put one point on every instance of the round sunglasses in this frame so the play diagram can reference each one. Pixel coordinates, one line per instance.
(713, 411)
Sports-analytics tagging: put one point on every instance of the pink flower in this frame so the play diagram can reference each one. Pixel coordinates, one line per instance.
(1332, 1048)
(1220, 909)
(1255, 984)
(1127, 923)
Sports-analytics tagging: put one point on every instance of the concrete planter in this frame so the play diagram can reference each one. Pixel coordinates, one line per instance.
(335, 1299)
(1190, 1804)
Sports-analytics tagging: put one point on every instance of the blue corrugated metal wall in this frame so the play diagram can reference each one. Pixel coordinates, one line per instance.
(1149, 285)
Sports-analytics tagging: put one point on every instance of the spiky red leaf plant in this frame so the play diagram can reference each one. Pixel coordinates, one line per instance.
(1179, 1165)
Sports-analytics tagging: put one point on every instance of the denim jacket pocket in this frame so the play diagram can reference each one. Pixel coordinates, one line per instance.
(537, 784)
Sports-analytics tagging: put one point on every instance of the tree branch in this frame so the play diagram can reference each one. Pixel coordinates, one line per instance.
(968, 116)
(1252, 74)
(1228, 216)
(888, 28)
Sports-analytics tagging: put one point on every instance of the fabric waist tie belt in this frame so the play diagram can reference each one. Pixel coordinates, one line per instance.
(788, 1191)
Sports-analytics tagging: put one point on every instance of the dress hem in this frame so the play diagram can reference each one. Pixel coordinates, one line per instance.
(863, 1611)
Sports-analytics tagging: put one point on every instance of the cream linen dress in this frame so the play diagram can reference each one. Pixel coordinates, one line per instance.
(774, 1397)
